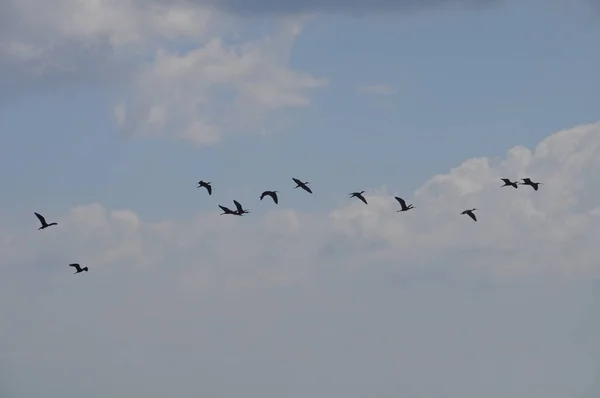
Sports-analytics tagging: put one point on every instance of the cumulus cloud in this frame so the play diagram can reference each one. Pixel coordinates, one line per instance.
(389, 300)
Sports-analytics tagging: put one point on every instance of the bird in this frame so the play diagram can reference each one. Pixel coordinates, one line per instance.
(43, 221)
(240, 211)
(303, 185)
(78, 268)
(226, 210)
(534, 185)
(509, 183)
(272, 194)
(359, 195)
(403, 205)
(470, 214)
(205, 185)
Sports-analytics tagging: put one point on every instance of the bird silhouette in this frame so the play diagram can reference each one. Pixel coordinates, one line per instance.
(534, 185)
(226, 210)
(509, 183)
(272, 194)
(240, 210)
(78, 268)
(303, 185)
(43, 221)
(205, 185)
(403, 205)
(359, 195)
(470, 214)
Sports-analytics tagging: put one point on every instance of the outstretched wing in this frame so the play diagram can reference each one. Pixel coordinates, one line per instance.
(262, 195)
(225, 209)
(362, 198)
(238, 206)
(274, 196)
(472, 215)
(208, 188)
(306, 188)
(76, 266)
(297, 181)
(506, 180)
(401, 201)
(41, 218)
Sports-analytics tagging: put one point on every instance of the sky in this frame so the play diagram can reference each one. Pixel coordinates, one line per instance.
(111, 111)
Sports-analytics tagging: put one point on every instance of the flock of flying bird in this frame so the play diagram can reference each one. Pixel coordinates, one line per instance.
(239, 211)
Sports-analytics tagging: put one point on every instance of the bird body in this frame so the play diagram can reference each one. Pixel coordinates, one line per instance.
(359, 195)
(78, 268)
(43, 221)
(508, 182)
(205, 185)
(272, 194)
(303, 185)
(403, 206)
(534, 185)
(470, 214)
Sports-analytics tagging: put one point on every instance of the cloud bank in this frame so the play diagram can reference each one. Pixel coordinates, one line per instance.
(221, 299)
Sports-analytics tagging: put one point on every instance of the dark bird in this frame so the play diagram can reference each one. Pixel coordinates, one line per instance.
(272, 194)
(240, 211)
(509, 183)
(78, 268)
(43, 221)
(359, 195)
(534, 185)
(205, 185)
(403, 205)
(303, 185)
(470, 214)
(226, 210)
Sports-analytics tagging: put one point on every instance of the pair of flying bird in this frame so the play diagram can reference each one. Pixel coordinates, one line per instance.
(45, 224)
(526, 181)
(403, 205)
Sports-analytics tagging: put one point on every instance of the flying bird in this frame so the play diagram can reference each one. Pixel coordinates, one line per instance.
(43, 221)
(226, 210)
(303, 185)
(205, 185)
(509, 183)
(272, 194)
(240, 210)
(403, 205)
(470, 214)
(78, 268)
(359, 195)
(534, 185)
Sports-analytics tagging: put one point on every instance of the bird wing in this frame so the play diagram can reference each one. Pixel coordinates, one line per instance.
(76, 266)
(526, 181)
(225, 209)
(41, 218)
(262, 195)
(209, 189)
(306, 188)
(297, 181)
(238, 205)
(362, 198)
(401, 201)
(506, 180)
(274, 196)
(472, 215)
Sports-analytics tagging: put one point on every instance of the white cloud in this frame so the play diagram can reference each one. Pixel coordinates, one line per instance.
(198, 94)
(389, 301)
(189, 81)
(379, 89)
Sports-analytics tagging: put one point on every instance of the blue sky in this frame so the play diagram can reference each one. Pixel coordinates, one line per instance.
(429, 104)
